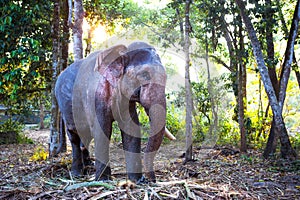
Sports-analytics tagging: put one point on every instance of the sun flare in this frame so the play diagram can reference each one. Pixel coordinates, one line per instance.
(99, 34)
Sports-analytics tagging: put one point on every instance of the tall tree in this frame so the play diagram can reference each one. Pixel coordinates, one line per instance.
(286, 149)
(188, 92)
(62, 147)
(241, 87)
(54, 134)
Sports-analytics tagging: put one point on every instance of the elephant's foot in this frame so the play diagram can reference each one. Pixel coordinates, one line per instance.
(77, 170)
(136, 177)
(103, 171)
(151, 176)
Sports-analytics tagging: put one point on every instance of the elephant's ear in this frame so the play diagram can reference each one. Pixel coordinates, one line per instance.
(111, 62)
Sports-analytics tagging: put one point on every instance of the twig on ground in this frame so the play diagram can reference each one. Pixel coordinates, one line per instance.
(105, 194)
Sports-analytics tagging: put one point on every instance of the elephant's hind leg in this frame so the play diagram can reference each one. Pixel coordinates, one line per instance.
(77, 164)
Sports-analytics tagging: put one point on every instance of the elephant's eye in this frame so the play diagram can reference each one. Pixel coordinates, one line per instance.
(144, 76)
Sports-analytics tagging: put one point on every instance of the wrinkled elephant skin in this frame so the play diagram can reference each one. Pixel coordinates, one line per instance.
(105, 87)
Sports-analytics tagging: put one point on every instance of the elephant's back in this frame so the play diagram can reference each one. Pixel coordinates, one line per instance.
(65, 82)
(64, 91)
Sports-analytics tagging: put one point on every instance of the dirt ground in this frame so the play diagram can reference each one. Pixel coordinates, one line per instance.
(218, 173)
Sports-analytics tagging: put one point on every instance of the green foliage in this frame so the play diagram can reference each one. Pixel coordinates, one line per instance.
(109, 13)
(116, 133)
(295, 141)
(22, 139)
(174, 120)
(16, 127)
(11, 125)
(47, 122)
(25, 50)
(228, 132)
(144, 121)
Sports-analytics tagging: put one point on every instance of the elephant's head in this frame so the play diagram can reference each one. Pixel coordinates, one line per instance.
(139, 76)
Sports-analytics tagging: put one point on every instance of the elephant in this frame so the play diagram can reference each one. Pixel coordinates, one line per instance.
(104, 87)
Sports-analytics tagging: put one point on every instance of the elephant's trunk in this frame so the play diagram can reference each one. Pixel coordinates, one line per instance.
(154, 101)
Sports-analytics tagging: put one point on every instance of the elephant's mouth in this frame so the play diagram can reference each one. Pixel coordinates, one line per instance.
(136, 95)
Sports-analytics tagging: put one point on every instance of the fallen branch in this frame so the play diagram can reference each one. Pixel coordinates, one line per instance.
(171, 183)
(189, 193)
(89, 184)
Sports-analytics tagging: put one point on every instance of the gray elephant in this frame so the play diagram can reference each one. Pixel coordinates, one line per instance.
(105, 87)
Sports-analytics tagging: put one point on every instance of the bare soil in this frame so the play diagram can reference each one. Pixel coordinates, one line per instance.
(218, 173)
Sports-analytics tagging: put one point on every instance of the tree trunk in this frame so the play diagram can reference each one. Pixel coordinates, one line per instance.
(54, 136)
(241, 90)
(284, 77)
(64, 63)
(66, 36)
(188, 92)
(286, 150)
(273, 135)
(233, 66)
(77, 29)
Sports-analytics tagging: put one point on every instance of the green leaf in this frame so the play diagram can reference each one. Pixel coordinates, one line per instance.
(34, 58)
(7, 76)
(7, 20)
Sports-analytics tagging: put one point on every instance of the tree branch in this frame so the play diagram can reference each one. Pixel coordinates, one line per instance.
(289, 52)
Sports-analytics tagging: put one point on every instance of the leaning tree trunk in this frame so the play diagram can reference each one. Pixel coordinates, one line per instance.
(54, 136)
(286, 32)
(188, 92)
(286, 149)
(284, 77)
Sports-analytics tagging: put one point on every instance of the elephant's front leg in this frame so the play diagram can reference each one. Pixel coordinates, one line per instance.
(102, 140)
(131, 139)
(103, 170)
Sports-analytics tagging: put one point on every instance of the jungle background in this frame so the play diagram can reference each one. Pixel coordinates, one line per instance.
(233, 96)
